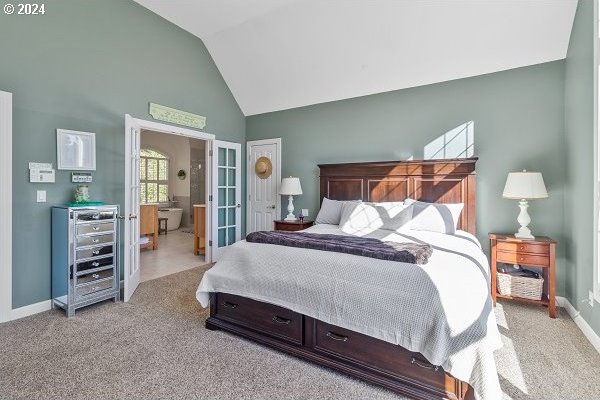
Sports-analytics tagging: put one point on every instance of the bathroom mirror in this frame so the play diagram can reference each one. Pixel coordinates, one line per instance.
(76, 150)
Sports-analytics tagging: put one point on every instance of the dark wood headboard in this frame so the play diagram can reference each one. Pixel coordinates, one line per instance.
(434, 181)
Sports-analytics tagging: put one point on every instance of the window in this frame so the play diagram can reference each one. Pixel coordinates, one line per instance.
(154, 177)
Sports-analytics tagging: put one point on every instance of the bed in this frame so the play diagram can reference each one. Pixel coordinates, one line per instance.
(422, 332)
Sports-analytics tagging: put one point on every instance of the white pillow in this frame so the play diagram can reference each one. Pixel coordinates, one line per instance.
(395, 215)
(435, 217)
(360, 219)
(331, 211)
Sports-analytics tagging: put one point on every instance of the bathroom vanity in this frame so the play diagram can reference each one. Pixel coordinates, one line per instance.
(85, 256)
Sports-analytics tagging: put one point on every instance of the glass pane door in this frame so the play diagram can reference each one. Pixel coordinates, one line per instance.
(226, 195)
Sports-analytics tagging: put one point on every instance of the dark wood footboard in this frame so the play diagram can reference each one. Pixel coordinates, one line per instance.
(352, 353)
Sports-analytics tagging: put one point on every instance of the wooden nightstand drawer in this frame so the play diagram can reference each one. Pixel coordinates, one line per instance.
(530, 248)
(292, 226)
(522, 258)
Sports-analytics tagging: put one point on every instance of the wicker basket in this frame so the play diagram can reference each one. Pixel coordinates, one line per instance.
(519, 286)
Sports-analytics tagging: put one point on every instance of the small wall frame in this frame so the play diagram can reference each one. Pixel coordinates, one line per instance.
(75, 151)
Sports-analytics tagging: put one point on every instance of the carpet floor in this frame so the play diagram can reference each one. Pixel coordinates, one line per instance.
(156, 347)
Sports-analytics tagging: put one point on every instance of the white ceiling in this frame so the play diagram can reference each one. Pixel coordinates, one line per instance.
(280, 54)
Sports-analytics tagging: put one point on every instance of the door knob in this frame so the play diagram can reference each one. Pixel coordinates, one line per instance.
(132, 216)
(239, 206)
(272, 207)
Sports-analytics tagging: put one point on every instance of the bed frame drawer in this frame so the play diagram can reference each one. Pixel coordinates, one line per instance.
(365, 350)
(270, 319)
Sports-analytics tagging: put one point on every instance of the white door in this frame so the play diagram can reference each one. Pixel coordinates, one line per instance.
(226, 195)
(132, 206)
(264, 202)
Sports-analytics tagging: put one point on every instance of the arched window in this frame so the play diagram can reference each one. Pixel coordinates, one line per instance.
(154, 176)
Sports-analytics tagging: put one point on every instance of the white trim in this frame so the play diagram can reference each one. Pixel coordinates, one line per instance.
(5, 206)
(596, 186)
(249, 144)
(588, 332)
(179, 131)
(31, 309)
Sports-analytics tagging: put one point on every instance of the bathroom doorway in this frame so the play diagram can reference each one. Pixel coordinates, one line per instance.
(172, 217)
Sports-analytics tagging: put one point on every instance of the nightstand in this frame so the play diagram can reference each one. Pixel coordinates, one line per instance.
(292, 225)
(538, 252)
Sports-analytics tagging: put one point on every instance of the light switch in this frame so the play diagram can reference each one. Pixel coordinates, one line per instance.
(41, 196)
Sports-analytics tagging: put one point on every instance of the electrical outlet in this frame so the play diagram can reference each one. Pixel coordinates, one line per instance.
(591, 298)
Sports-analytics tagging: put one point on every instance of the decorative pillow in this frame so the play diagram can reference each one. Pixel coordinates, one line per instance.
(435, 217)
(331, 211)
(360, 219)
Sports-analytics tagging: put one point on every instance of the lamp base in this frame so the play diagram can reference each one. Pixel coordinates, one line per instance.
(290, 208)
(524, 235)
(524, 220)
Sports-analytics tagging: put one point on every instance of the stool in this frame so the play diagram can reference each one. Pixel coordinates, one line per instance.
(160, 225)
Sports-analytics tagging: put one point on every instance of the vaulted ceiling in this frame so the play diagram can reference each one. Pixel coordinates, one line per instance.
(280, 54)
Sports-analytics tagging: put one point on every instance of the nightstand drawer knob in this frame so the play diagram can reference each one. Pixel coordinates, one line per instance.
(522, 258)
(521, 247)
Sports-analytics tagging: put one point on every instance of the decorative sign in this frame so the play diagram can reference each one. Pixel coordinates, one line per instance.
(168, 114)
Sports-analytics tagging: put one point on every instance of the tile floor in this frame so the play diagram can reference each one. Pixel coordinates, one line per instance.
(175, 253)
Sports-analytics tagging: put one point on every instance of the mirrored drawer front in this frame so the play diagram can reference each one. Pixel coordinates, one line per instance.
(92, 240)
(96, 216)
(99, 262)
(84, 229)
(95, 276)
(83, 291)
(94, 252)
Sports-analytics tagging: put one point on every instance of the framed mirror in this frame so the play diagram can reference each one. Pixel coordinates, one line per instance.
(76, 151)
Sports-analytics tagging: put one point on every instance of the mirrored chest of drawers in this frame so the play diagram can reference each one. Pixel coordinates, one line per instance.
(85, 256)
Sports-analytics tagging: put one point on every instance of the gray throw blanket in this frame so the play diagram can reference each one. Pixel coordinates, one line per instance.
(412, 253)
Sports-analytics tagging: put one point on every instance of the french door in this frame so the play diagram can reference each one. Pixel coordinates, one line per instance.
(226, 196)
(132, 207)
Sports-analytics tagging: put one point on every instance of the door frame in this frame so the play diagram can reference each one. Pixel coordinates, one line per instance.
(6, 136)
(179, 131)
(249, 170)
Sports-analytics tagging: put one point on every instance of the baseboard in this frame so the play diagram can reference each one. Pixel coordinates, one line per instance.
(31, 309)
(587, 330)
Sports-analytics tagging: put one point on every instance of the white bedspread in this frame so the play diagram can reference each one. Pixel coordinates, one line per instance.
(442, 309)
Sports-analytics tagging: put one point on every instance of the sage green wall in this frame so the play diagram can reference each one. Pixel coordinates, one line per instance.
(84, 65)
(579, 145)
(519, 123)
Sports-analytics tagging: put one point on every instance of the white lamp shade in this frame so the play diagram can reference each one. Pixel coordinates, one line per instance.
(290, 186)
(525, 185)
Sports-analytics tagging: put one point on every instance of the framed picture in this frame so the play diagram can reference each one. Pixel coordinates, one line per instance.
(76, 150)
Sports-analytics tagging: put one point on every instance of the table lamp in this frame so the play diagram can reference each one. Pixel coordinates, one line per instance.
(290, 187)
(524, 186)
